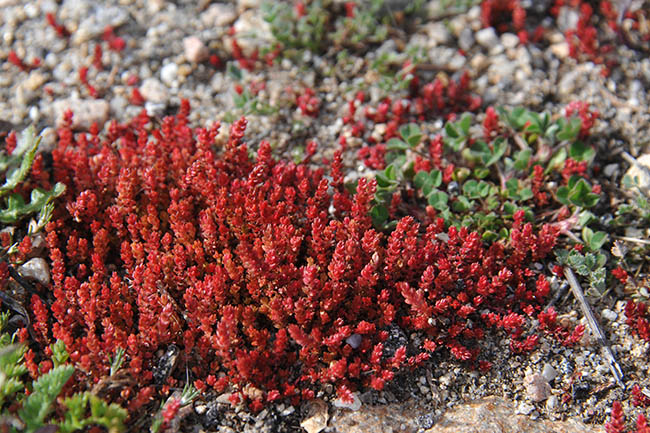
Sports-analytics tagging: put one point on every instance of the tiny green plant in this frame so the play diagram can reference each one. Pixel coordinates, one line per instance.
(169, 409)
(36, 401)
(16, 166)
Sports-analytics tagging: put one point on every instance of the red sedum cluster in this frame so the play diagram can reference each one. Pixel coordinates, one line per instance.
(269, 277)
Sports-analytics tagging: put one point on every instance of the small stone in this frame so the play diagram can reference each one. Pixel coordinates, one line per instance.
(36, 269)
(549, 372)
(254, 33)
(509, 40)
(317, 417)
(487, 37)
(156, 109)
(537, 388)
(438, 33)
(354, 340)
(466, 39)
(34, 81)
(96, 22)
(640, 171)
(560, 50)
(169, 73)
(524, 408)
(611, 170)
(85, 112)
(552, 403)
(154, 91)
(219, 15)
(195, 50)
(609, 315)
(479, 62)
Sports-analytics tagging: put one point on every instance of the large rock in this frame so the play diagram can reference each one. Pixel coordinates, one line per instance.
(85, 112)
(488, 415)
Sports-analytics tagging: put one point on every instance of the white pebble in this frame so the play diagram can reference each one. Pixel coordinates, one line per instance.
(169, 73)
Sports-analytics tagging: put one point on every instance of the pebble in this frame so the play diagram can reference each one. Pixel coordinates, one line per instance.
(34, 81)
(93, 25)
(537, 388)
(487, 38)
(218, 14)
(609, 315)
(552, 403)
(438, 33)
(154, 91)
(354, 340)
(560, 50)
(169, 74)
(548, 372)
(85, 112)
(524, 408)
(36, 269)
(509, 40)
(195, 50)
(640, 171)
(466, 39)
(254, 33)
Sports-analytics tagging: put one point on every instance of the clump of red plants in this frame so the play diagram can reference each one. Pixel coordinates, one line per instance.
(599, 27)
(424, 101)
(269, 277)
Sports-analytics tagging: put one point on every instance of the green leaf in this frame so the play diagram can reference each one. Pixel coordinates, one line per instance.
(451, 131)
(581, 152)
(470, 189)
(18, 174)
(522, 158)
(461, 204)
(509, 208)
(379, 215)
(569, 130)
(438, 199)
(594, 241)
(390, 172)
(110, 416)
(465, 122)
(500, 146)
(45, 390)
(481, 172)
(17, 209)
(397, 144)
(411, 134)
(525, 194)
(556, 161)
(59, 353)
(436, 177)
(234, 72)
(489, 236)
(562, 256)
(420, 179)
(582, 196)
(562, 195)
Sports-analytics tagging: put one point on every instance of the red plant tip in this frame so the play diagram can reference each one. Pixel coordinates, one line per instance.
(17, 61)
(215, 60)
(60, 29)
(115, 43)
(300, 10)
(350, 8)
(136, 97)
(97, 57)
(617, 419)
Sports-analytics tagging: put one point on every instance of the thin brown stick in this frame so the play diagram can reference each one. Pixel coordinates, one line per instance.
(593, 325)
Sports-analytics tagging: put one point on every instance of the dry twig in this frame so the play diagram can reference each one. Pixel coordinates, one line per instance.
(593, 325)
